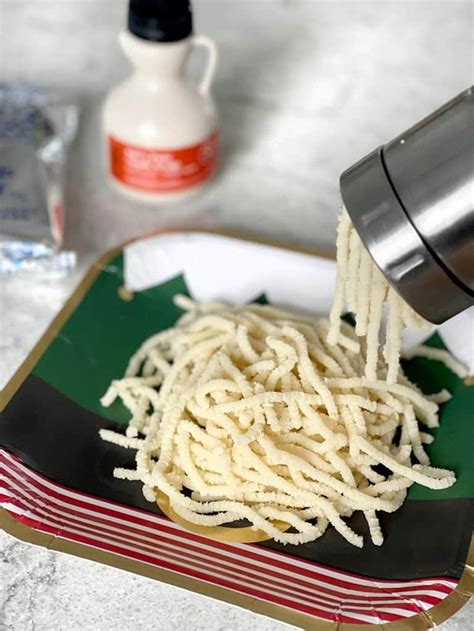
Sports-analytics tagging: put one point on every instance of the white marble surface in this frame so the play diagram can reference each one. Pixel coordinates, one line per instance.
(304, 89)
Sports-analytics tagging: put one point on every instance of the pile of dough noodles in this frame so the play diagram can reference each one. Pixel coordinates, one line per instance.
(257, 414)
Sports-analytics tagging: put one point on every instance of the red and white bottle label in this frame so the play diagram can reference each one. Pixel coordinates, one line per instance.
(162, 170)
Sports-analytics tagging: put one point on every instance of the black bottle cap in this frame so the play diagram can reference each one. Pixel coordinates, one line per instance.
(160, 20)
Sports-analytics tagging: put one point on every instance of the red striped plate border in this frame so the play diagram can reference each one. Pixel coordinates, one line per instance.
(274, 577)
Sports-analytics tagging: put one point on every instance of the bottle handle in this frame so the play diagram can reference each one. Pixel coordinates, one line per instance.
(205, 83)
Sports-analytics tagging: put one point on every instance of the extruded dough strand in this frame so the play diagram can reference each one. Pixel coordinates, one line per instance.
(361, 287)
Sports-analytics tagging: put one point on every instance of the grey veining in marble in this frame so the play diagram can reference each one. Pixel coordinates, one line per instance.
(304, 89)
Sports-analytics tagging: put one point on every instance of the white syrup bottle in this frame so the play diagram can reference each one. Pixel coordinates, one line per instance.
(161, 130)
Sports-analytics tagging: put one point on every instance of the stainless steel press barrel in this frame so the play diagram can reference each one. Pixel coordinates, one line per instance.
(412, 203)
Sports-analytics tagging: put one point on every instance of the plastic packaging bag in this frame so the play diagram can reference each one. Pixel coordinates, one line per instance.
(34, 137)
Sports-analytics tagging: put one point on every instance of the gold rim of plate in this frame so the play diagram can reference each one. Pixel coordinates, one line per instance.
(420, 622)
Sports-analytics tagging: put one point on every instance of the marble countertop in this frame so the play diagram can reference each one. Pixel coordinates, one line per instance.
(304, 89)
